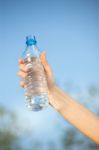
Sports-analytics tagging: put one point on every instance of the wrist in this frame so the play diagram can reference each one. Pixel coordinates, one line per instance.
(55, 98)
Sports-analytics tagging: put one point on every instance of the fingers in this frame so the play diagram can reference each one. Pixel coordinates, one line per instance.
(22, 74)
(43, 57)
(23, 68)
(45, 64)
(22, 84)
(21, 61)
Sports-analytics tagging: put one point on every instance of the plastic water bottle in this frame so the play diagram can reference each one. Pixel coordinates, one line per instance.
(36, 91)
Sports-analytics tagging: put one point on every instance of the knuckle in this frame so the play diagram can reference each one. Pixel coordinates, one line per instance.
(24, 75)
(22, 85)
(25, 69)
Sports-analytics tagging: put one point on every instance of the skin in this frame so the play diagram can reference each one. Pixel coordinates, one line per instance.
(75, 113)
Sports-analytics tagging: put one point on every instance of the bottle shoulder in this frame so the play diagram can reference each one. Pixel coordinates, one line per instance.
(31, 51)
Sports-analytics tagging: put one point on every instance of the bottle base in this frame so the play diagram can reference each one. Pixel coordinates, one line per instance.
(35, 108)
(36, 103)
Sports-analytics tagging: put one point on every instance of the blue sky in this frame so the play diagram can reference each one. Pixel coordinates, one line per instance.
(67, 29)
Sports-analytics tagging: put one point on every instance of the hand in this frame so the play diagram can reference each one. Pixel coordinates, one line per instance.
(48, 71)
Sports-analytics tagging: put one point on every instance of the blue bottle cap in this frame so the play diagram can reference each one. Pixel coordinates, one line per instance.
(30, 40)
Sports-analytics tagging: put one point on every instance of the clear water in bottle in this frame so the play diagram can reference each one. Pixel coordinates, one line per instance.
(36, 91)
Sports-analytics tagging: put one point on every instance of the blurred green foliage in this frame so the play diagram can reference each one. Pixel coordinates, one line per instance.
(70, 138)
(8, 137)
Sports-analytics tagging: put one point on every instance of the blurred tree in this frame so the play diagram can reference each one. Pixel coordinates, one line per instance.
(51, 145)
(71, 138)
(8, 137)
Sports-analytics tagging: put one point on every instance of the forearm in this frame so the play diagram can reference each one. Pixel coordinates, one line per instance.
(86, 121)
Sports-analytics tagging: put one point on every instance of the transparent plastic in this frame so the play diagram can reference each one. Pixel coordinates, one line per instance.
(36, 91)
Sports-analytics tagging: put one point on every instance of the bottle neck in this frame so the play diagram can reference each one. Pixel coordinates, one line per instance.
(32, 51)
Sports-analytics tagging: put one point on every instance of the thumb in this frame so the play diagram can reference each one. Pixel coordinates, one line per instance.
(43, 58)
(45, 63)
